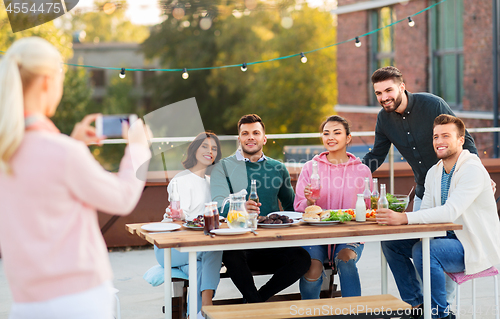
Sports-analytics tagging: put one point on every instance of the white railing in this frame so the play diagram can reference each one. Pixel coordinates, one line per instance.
(279, 136)
(298, 135)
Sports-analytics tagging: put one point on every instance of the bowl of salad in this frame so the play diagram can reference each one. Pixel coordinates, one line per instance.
(398, 203)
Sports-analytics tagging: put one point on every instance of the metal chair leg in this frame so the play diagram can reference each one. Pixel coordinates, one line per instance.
(473, 298)
(497, 306)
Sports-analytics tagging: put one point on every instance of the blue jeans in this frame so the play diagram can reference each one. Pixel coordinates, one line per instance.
(208, 268)
(446, 255)
(450, 284)
(398, 254)
(348, 272)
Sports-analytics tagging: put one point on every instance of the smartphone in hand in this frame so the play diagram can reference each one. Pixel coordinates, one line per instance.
(111, 125)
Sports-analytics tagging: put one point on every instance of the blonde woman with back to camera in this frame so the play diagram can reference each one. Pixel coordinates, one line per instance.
(54, 256)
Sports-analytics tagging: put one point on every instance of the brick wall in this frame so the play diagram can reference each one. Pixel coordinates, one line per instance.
(412, 58)
(478, 59)
(352, 62)
(361, 122)
(411, 46)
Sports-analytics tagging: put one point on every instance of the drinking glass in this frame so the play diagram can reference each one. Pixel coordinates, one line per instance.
(252, 220)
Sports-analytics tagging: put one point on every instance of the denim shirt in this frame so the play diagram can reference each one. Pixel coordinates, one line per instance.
(411, 133)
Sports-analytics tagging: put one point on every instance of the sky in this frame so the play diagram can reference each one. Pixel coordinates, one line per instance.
(147, 11)
(139, 11)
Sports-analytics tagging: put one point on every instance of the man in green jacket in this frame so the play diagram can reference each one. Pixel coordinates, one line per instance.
(233, 174)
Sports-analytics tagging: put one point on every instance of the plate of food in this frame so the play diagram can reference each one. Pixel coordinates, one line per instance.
(275, 220)
(370, 215)
(197, 223)
(191, 225)
(291, 215)
(315, 215)
(160, 227)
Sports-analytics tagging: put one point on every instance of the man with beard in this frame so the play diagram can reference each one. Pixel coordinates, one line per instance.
(458, 190)
(406, 121)
(233, 174)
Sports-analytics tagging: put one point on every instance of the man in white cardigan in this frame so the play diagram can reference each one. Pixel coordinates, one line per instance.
(458, 190)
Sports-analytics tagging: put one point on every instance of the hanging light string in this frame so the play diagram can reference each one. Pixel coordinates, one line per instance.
(301, 54)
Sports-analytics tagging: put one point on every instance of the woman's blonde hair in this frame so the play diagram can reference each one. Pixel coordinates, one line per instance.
(26, 59)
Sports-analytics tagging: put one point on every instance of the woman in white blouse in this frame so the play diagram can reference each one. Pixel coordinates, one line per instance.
(194, 192)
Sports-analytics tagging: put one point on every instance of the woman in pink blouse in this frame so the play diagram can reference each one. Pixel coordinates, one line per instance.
(54, 255)
(342, 178)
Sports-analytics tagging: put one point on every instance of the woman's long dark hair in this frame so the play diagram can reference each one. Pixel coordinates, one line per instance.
(190, 160)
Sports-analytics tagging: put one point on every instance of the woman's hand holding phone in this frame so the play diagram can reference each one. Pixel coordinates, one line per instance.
(86, 133)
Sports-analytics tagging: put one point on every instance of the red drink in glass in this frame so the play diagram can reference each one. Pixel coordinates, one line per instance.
(315, 193)
(368, 203)
(175, 207)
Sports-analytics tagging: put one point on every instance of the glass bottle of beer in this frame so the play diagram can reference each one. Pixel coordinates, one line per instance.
(382, 201)
(253, 191)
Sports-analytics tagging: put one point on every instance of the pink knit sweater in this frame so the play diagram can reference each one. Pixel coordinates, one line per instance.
(339, 183)
(49, 234)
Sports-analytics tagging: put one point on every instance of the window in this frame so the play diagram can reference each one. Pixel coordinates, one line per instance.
(97, 77)
(148, 79)
(382, 46)
(447, 52)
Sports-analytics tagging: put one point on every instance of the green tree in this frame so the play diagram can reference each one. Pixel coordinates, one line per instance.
(293, 96)
(75, 101)
(77, 91)
(47, 31)
(289, 95)
(121, 98)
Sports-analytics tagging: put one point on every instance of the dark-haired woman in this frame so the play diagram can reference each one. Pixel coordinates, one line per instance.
(194, 191)
(342, 177)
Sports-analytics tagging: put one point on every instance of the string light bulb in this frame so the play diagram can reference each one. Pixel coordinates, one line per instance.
(358, 43)
(303, 57)
(244, 67)
(185, 74)
(122, 74)
(411, 23)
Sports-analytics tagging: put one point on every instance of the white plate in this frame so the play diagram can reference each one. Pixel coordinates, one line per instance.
(230, 231)
(192, 227)
(295, 222)
(160, 227)
(322, 223)
(291, 215)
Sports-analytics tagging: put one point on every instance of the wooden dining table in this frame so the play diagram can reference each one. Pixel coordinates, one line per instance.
(193, 241)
